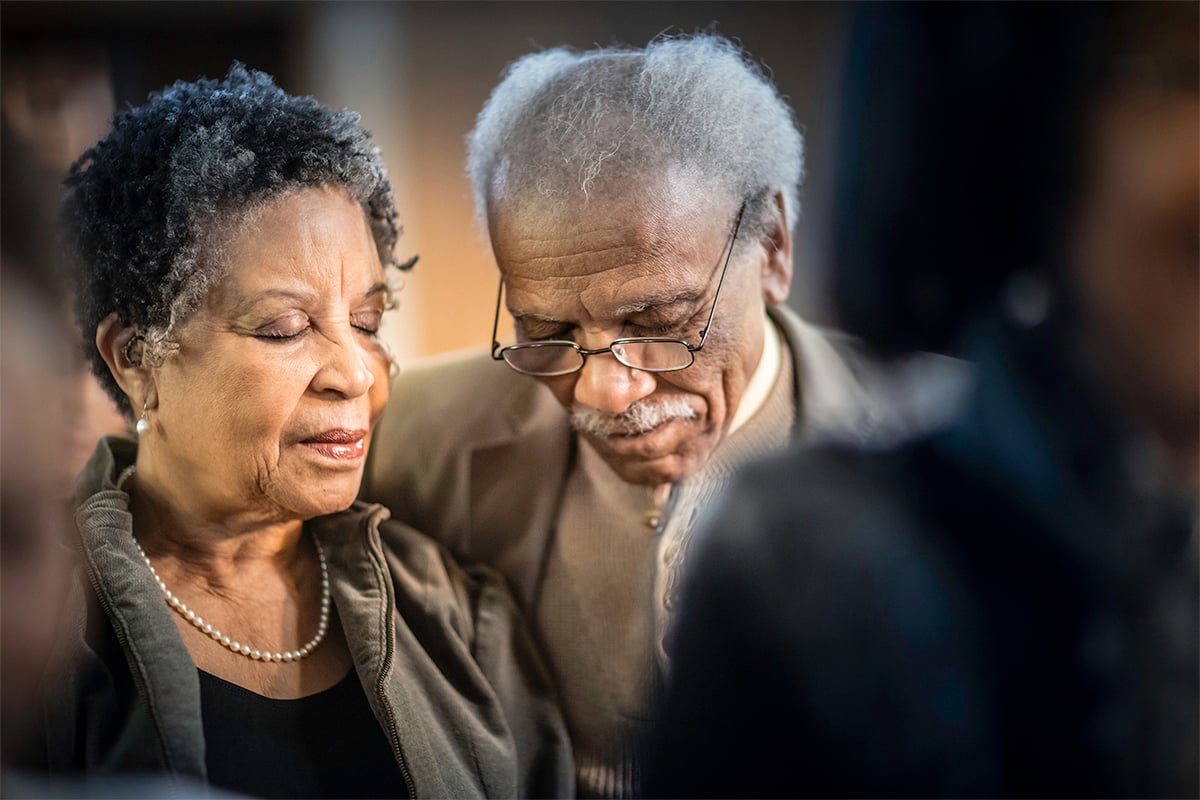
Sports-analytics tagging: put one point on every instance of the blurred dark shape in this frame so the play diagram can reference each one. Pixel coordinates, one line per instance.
(35, 350)
(55, 101)
(38, 366)
(959, 157)
(1011, 606)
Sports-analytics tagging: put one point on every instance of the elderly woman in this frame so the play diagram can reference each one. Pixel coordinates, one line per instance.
(248, 623)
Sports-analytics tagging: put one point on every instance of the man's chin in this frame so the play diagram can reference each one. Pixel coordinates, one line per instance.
(655, 473)
(662, 455)
(646, 470)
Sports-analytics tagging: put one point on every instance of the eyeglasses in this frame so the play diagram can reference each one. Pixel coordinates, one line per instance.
(552, 358)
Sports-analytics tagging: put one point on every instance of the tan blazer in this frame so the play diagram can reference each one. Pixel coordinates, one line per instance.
(477, 456)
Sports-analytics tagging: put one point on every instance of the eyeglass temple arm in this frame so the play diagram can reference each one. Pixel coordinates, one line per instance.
(496, 323)
(720, 283)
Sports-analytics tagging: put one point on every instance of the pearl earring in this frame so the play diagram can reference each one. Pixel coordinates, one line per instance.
(143, 423)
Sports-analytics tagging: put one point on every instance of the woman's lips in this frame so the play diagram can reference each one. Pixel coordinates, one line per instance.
(341, 445)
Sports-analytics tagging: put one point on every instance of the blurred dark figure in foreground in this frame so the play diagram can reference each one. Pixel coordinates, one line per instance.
(1008, 607)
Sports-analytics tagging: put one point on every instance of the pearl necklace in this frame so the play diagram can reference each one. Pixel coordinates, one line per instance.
(225, 640)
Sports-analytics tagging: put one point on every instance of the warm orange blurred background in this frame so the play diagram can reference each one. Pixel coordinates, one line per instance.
(418, 73)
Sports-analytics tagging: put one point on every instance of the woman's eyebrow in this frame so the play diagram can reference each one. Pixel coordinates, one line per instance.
(247, 302)
(379, 288)
(250, 301)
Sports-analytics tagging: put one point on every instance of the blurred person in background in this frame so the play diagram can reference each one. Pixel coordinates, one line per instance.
(1007, 607)
(245, 623)
(35, 349)
(50, 109)
(54, 103)
(640, 205)
(39, 358)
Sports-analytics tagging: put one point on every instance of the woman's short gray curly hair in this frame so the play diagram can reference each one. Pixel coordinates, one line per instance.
(149, 204)
(561, 121)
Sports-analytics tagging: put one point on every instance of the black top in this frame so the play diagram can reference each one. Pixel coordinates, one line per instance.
(328, 744)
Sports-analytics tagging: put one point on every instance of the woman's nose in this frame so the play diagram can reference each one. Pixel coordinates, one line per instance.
(345, 368)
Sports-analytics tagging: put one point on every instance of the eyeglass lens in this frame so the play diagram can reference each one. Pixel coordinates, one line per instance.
(560, 359)
(547, 360)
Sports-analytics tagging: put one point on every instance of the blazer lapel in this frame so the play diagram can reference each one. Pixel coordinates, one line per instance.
(831, 401)
(516, 486)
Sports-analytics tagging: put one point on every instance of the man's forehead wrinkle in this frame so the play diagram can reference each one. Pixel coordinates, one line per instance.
(530, 261)
(543, 302)
(593, 262)
(645, 286)
(632, 212)
(621, 282)
(589, 278)
(545, 230)
(634, 256)
(551, 241)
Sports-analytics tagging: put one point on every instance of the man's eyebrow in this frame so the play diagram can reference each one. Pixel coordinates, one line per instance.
(533, 316)
(640, 306)
(656, 302)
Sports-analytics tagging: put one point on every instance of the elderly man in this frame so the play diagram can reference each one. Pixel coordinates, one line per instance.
(640, 205)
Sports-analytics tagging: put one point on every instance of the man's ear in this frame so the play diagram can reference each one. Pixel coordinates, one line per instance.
(124, 351)
(777, 268)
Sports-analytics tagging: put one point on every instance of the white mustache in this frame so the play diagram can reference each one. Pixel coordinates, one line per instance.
(642, 416)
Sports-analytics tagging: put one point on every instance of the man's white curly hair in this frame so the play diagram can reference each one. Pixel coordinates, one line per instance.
(564, 123)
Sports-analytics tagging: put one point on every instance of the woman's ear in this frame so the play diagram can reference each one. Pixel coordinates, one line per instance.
(777, 268)
(124, 351)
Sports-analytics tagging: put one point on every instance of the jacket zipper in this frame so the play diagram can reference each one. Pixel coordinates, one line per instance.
(372, 525)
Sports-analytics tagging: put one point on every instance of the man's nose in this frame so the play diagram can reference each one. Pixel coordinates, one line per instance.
(606, 384)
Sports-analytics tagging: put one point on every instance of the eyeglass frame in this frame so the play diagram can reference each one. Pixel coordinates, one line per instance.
(498, 351)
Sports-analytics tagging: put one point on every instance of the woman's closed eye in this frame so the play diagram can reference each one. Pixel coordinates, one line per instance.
(284, 329)
(293, 327)
(367, 322)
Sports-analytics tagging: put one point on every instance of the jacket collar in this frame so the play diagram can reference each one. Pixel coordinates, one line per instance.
(161, 667)
(520, 519)
(832, 401)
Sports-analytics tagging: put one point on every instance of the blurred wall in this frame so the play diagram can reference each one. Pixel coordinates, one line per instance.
(419, 72)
